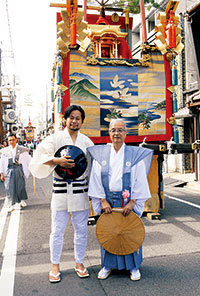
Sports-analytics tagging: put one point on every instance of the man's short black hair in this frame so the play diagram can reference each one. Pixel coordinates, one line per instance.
(12, 135)
(71, 108)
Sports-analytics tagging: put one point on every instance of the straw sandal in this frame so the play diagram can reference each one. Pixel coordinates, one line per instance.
(54, 278)
(81, 273)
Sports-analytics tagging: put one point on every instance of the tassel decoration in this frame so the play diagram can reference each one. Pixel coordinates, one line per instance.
(60, 103)
(174, 73)
(176, 134)
(175, 108)
(52, 91)
(58, 72)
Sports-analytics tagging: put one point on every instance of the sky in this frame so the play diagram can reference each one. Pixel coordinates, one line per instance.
(31, 27)
(28, 44)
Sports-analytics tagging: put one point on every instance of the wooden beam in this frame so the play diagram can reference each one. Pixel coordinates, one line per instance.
(6, 102)
(106, 8)
(59, 5)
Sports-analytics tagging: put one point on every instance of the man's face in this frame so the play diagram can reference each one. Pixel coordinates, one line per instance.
(117, 132)
(74, 121)
(12, 141)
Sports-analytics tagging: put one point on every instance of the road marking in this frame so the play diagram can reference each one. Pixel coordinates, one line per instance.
(3, 215)
(183, 201)
(9, 255)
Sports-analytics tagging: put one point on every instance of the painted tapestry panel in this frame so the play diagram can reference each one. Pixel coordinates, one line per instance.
(85, 91)
(119, 97)
(152, 98)
(135, 94)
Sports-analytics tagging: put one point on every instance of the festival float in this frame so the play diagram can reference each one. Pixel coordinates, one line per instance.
(94, 68)
(29, 132)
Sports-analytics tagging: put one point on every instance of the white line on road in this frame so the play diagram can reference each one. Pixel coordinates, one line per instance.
(183, 201)
(3, 215)
(9, 253)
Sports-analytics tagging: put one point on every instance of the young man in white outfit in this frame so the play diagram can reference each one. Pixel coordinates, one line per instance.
(65, 199)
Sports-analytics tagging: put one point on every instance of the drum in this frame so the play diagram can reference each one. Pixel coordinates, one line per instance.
(80, 162)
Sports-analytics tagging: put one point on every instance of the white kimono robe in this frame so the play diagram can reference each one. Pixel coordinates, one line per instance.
(45, 152)
(14, 174)
(9, 152)
(139, 185)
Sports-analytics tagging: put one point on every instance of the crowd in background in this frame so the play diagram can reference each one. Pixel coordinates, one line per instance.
(31, 145)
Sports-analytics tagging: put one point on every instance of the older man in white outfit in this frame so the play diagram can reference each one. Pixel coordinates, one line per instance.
(116, 169)
(68, 196)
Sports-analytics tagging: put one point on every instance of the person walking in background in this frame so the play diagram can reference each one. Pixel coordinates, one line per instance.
(119, 179)
(14, 166)
(68, 196)
(4, 144)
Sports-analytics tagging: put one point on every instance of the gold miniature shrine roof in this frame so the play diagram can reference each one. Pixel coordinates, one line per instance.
(98, 31)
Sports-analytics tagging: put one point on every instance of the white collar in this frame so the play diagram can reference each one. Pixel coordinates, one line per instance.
(13, 149)
(120, 151)
(67, 133)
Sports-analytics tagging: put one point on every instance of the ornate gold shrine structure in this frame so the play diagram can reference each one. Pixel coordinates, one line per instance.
(106, 40)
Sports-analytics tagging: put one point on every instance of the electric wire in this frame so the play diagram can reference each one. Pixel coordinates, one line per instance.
(7, 75)
(9, 30)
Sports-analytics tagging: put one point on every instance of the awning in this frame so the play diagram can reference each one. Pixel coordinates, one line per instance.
(183, 113)
(194, 97)
(193, 7)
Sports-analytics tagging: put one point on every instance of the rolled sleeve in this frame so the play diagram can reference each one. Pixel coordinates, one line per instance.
(44, 152)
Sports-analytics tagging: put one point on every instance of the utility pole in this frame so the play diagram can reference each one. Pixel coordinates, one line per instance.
(1, 123)
(46, 109)
(2, 103)
(0, 66)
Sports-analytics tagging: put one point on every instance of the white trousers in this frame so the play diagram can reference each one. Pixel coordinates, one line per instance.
(59, 221)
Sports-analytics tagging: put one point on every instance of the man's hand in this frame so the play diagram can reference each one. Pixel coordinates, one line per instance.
(64, 161)
(128, 208)
(106, 206)
(2, 177)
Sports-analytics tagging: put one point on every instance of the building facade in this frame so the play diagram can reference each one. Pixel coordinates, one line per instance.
(188, 89)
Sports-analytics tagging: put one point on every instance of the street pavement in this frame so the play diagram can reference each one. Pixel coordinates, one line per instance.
(171, 251)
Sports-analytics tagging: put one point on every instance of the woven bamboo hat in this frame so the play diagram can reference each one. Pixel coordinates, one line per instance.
(118, 234)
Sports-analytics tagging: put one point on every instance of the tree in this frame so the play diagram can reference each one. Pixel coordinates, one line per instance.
(102, 4)
(132, 5)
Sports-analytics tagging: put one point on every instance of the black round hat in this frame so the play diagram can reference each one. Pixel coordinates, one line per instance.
(79, 158)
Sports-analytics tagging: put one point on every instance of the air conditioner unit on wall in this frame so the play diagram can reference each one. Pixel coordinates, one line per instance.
(9, 116)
